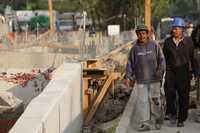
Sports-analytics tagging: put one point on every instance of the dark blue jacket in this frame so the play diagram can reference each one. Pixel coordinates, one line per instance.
(146, 63)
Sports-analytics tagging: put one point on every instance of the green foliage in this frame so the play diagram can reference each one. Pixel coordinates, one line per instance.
(104, 12)
(182, 7)
(160, 8)
(41, 21)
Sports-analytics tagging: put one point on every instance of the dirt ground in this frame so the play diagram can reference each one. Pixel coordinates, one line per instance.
(108, 114)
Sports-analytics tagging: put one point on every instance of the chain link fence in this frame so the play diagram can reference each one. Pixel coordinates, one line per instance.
(94, 45)
(81, 43)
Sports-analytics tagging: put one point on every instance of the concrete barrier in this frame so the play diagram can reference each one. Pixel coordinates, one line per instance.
(125, 121)
(58, 109)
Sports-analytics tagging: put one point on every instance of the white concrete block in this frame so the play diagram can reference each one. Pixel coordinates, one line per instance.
(27, 125)
(51, 120)
(59, 106)
(65, 106)
(38, 108)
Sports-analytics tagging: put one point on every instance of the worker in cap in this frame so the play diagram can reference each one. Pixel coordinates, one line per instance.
(146, 66)
(178, 51)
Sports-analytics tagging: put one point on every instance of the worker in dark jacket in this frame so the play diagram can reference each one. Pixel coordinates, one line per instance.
(146, 66)
(178, 51)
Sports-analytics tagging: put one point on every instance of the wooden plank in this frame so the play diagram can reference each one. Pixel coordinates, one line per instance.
(94, 71)
(98, 100)
(85, 96)
(57, 45)
(91, 63)
(115, 52)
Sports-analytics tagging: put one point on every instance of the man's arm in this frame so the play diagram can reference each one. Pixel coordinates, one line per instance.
(161, 63)
(162, 59)
(130, 74)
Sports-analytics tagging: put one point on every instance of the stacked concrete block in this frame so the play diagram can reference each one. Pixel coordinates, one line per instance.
(58, 109)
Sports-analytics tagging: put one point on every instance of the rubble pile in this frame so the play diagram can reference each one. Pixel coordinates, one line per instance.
(113, 104)
(10, 110)
(117, 63)
(22, 78)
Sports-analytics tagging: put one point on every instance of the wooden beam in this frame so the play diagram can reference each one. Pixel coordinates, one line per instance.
(57, 45)
(148, 13)
(99, 99)
(85, 96)
(51, 15)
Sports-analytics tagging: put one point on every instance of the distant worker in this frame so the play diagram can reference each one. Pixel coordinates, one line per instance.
(2, 18)
(152, 33)
(178, 52)
(189, 29)
(57, 25)
(145, 66)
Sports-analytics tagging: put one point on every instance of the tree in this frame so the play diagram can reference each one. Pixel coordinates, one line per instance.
(160, 9)
(182, 7)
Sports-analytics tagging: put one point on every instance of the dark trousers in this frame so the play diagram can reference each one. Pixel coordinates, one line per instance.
(177, 84)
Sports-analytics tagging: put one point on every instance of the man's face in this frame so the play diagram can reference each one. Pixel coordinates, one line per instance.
(142, 36)
(177, 32)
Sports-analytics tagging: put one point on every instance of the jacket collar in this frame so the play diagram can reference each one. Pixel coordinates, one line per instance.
(177, 42)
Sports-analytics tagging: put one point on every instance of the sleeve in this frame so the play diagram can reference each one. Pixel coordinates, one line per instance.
(130, 66)
(165, 49)
(192, 60)
(161, 60)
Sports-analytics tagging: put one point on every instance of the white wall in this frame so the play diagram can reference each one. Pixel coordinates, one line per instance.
(22, 60)
(58, 109)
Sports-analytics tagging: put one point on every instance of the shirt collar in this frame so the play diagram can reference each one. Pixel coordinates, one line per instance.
(177, 41)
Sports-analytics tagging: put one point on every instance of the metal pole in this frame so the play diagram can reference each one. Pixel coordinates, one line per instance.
(124, 16)
(198, 5)
(84, 20)
(82, 46)
(37, 31)
(26, 32)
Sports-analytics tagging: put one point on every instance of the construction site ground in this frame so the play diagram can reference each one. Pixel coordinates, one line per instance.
(118, 108)
(115, 111)
(109, 113)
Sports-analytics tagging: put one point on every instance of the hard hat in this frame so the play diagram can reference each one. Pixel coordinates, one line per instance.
(178, 22)
(141, 27)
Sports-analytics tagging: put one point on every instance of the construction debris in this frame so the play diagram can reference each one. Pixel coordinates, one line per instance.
(113, 103)
(10, 110)
(110, 109)
(22, 78)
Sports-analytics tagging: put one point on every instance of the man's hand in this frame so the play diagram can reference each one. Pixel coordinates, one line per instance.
(159, 74)
(129, 83)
